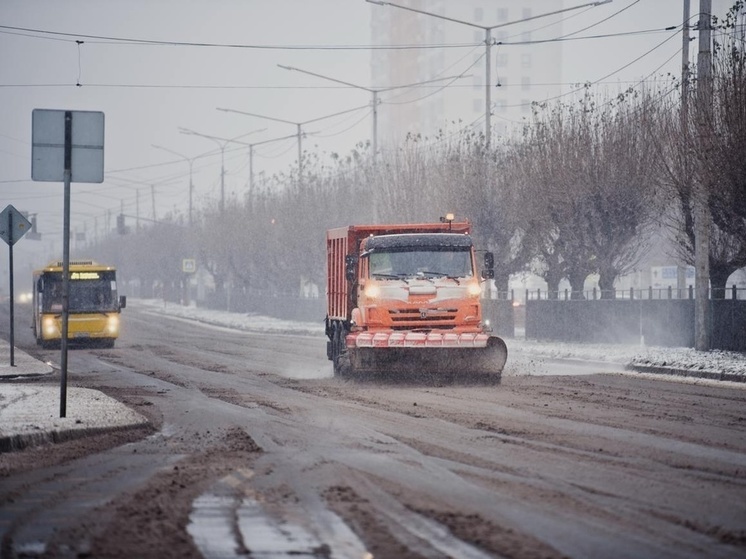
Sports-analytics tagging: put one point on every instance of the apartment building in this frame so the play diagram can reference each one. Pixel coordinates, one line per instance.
(423, 47)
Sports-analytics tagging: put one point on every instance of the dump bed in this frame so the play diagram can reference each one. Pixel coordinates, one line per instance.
(344, 241)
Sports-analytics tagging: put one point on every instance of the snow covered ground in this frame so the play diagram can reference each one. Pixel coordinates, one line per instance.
(715, 364)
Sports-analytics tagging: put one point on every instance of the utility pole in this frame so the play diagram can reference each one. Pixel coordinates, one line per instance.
(685, 38)
(190, 161)
(702, 216)
(137, 211)
(684, 121)
(152, 195)
(299, 134)
(251, 156)
(222, 143)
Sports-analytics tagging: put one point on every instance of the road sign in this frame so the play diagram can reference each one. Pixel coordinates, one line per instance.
(13, 225)
(54, 132)
(188, 265)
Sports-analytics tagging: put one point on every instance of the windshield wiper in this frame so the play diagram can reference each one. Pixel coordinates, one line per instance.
(389, 276)
(430, 273)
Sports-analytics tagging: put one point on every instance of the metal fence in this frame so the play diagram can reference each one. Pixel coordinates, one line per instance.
(285, 307)
(662, 322)
(662, 317)
(650, 293)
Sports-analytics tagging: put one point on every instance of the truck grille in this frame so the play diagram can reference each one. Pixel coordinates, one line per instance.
(432, 318)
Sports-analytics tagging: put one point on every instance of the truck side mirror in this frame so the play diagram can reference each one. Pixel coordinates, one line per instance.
(39, 285)
(489, 260)
(489, 266)
(122, 301)
(350, 267)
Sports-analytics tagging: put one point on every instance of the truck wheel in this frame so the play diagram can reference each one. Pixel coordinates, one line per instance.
(339, 353)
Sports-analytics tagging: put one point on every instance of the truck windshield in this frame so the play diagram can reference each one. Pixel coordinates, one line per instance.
(428, 263)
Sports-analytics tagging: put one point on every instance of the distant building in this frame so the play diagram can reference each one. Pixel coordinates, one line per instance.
(521, 71)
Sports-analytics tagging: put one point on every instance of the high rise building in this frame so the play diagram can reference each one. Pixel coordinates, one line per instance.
(416, 47)
(530, 62)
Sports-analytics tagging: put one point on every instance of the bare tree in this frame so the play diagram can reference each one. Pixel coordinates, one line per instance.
(593, 201)
(707, 146)
(552, 152)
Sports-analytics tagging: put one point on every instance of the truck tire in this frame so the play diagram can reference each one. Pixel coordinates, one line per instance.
(339, 352)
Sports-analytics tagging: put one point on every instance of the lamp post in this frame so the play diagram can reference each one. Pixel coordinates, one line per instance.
(190, 161)
(299, 126)
(373, 90)
(222, 143)
(488, 42)
(251, 155)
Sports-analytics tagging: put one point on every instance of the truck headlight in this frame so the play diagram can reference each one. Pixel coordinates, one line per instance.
(474, 289)
(372, 290)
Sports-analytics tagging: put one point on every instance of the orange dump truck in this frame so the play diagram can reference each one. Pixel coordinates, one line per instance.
(406, 298)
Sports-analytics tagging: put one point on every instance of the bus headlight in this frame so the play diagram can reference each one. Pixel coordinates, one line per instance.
(112, 324)
(49, 326)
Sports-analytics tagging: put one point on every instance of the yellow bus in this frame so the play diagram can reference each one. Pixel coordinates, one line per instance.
(93, 307)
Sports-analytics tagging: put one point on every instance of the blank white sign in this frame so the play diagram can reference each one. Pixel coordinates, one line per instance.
(48, 146)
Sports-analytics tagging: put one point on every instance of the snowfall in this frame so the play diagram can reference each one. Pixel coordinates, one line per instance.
(715, 364)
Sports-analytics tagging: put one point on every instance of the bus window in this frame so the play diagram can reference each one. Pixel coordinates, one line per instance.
(52, 296)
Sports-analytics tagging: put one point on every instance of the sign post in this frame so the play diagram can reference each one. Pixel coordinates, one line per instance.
(67, 146)
(13, 226)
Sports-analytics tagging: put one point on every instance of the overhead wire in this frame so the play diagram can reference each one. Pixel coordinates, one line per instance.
(471, 45)
(443, 71)
(601, 21)
(601, 80)
(55, 36)
(102, 39)
(353, 125)
(481, 117)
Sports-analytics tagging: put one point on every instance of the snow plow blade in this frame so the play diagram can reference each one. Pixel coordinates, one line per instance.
(486, 358)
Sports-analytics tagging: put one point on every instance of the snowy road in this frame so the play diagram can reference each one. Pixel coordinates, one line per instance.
(255, 438)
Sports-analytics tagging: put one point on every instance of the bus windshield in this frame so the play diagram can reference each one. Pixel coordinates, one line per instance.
(89, 292)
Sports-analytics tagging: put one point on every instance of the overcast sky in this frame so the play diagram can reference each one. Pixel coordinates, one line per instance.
(89, 55)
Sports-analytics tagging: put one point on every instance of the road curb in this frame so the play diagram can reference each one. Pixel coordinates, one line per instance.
(690, 373)
(16, 442)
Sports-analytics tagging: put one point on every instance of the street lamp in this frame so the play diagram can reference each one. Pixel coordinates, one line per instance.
(299, 126)
(251, 155)
(488, 42)
(222, 143)
(373, 90)
(191, 161)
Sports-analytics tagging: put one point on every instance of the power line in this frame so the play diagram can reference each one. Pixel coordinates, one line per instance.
(601, 21)
(182, 86)
(101, 39)
(146, 42)
(480, 118)
(600, 80)
(440, 88)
